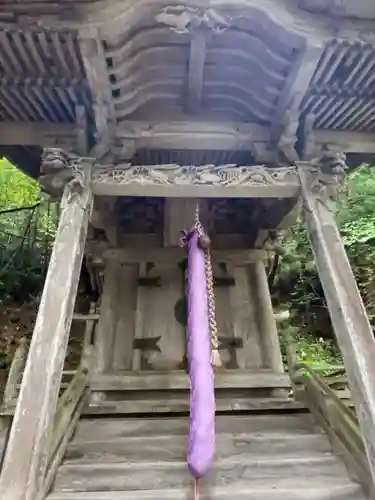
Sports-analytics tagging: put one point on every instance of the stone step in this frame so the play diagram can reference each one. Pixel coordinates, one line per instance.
(169, 448)
(291, 489)
(166, 475)
(116, 428)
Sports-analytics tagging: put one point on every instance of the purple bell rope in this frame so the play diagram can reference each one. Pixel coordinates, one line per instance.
(201, 447)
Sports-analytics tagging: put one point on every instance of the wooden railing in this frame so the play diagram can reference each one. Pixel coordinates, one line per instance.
(338, 420)
(68, 412)
(75, 395)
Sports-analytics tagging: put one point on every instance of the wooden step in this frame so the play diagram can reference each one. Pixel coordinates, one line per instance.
(178, 380)
(291, 489)
(267, 425)
(164, 475)
(171, 448)
(157, 405)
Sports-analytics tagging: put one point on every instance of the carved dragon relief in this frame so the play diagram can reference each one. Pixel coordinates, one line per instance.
(327, 176)
(206, 175)
(59, 169)
(184, 19)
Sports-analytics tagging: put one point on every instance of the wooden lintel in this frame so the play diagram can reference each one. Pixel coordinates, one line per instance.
(345, 141)
(347, 311)
(206, 135)
(36, 134)
(206, 181)
(175, 255)
(196, 71)
(24, 468)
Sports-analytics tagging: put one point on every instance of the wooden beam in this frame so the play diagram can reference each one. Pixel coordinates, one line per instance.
(297, 82)
(82, 146)
(36, 134)
(180, 381)
(346, 308)
(25, 462)
(342, 140)
(94, 61)
(196, 71)
(170, 255)
(207, 181)
(189, 135)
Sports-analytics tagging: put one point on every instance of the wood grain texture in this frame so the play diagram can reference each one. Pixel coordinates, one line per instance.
(244, 317)
(228, 379)
(160, 475)
(348, 314)
(25, 462)
(292, 489)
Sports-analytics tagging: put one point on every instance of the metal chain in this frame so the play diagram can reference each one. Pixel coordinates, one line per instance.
(215, 354)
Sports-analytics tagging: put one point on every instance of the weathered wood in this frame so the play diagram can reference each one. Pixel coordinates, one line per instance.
(348, 314)
(25, 462)
(86, 317)
(115, 429)
(179, 380)
(87, 355)
(93, 57)
(128, 476)
(125, 317)
(15, 371)
(312, 489)
(36, 134)
(105, 328)
(244, 314)
(348, 142)
(82, 134)
(179, 214)
(65, 408)
(299, 78)
(58, 456)
(168, 448)
(340, 424)
(196, 71)
(157, 309)
(269, 339)
(140, 316)
(206, 181)
(176, 255)
(185, 135)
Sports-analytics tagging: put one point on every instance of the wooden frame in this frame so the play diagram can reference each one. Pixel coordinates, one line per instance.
(195, 182)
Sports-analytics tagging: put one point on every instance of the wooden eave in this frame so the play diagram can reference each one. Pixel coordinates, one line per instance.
(246, 63)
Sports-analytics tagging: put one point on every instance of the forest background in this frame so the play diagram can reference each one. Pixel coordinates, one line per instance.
(26, 238)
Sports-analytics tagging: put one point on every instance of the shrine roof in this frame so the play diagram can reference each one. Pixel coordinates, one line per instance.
(204, 82)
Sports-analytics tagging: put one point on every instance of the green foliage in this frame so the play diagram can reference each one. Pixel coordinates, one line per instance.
(298, 287)
(25, 235)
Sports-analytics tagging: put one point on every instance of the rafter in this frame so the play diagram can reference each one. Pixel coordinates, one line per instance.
(95, 65)
(295, 87)
(196, 71)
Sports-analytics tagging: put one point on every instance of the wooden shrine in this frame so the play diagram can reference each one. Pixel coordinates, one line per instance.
(137, 113)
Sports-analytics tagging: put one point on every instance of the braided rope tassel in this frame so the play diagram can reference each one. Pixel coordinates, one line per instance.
(204, 243)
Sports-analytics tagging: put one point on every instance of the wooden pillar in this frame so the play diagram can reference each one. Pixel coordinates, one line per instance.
(269, 338)
(105, 329)
(25, 462)
(348, 314)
